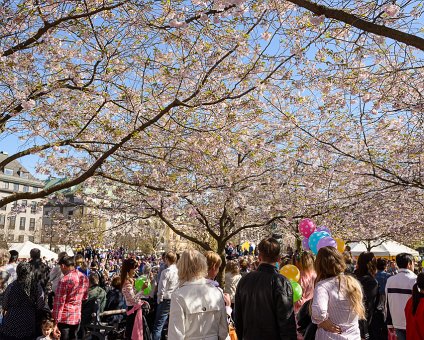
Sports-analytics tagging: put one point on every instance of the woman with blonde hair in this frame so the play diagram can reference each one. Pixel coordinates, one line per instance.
(213, 261)
(307, 278)
(337, 303)
(197, 307)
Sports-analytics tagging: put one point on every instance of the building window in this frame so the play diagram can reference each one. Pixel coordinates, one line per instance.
(23, 174)
(70, 212)
(31, 238)
(33, 207)
(15, 187)
(34, 189)
(21, 238)
(26, 188)
(8, 172)
(2, 221)
(32, 224)
(5, 185)
(12, 221)
(11, 238)
(22, 223)
(24, 203)
(3, 207)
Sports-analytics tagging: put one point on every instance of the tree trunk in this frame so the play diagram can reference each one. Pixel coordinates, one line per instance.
(221, 274)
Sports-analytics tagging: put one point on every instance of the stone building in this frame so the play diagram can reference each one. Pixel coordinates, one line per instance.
(21, 220)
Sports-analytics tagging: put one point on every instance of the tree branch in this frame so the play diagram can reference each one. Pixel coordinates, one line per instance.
(355, 21)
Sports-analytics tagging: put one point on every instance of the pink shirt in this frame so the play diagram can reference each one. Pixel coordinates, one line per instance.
(129, 294)
(307, 282)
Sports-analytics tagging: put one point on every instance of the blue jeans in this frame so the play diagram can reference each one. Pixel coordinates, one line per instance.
(162, 313)
(401, 334)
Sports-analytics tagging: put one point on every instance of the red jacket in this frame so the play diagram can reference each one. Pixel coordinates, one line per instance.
(415, 323)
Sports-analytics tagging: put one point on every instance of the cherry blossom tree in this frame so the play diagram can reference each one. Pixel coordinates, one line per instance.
(82, 79)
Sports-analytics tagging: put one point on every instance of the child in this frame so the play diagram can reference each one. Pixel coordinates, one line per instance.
(47, 326)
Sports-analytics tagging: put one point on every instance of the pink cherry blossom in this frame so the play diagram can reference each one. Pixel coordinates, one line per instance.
(317, 20)
(266, 36)
(392, 10)
(28, 104)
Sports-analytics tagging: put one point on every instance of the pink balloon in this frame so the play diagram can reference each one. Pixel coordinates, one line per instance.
(326, 242)
(306, 227)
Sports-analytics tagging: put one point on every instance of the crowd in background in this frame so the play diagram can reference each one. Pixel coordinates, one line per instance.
(180, 298)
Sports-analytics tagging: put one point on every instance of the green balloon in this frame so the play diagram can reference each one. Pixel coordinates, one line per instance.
(297, 291)
(139, 282)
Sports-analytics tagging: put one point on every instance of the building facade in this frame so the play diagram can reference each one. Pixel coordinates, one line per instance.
(21, 220)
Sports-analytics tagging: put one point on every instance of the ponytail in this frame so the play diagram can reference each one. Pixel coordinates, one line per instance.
(416, 296)
(354, 294)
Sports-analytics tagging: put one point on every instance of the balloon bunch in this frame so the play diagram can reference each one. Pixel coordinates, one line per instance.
(293, 274)
(317, 237)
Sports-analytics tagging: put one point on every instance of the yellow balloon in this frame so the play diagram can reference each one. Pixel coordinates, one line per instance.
(291, 272)
(245, 246)
(341, 245)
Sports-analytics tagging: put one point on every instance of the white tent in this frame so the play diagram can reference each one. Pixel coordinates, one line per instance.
(24, 250)
(388, 248)
(57, 248)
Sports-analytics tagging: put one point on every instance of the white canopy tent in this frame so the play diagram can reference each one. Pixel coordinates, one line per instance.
(58, 248)
(388, 248)
(24, 250)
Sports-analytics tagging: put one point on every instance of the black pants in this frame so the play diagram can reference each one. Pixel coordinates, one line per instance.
(68, 332)
(130, 323)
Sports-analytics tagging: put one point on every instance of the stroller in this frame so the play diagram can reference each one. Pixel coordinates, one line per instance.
(98, 329)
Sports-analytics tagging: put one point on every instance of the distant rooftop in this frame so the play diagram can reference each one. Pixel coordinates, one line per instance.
(16, 171)
(54, 181)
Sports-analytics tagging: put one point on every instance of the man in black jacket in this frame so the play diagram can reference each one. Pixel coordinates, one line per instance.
(264, 300)
(39, 268)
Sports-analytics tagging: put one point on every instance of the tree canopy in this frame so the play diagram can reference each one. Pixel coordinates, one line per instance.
(200, 111)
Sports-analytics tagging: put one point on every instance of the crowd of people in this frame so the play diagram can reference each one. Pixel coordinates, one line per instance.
(178, 296)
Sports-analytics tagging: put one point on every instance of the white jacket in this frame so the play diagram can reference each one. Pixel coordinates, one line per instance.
(398, 292)
(197, 312)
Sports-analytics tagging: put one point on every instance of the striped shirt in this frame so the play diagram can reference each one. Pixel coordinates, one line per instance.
(398, 292)
(331, 302)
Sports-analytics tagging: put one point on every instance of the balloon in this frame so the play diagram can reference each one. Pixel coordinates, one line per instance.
(314, 239)
(326, 242)
(245, 246)
(139, 282)
(305, 243)
(324, 228)
(306, 227)
(297, 291)
(341, 245)
(291, 272)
